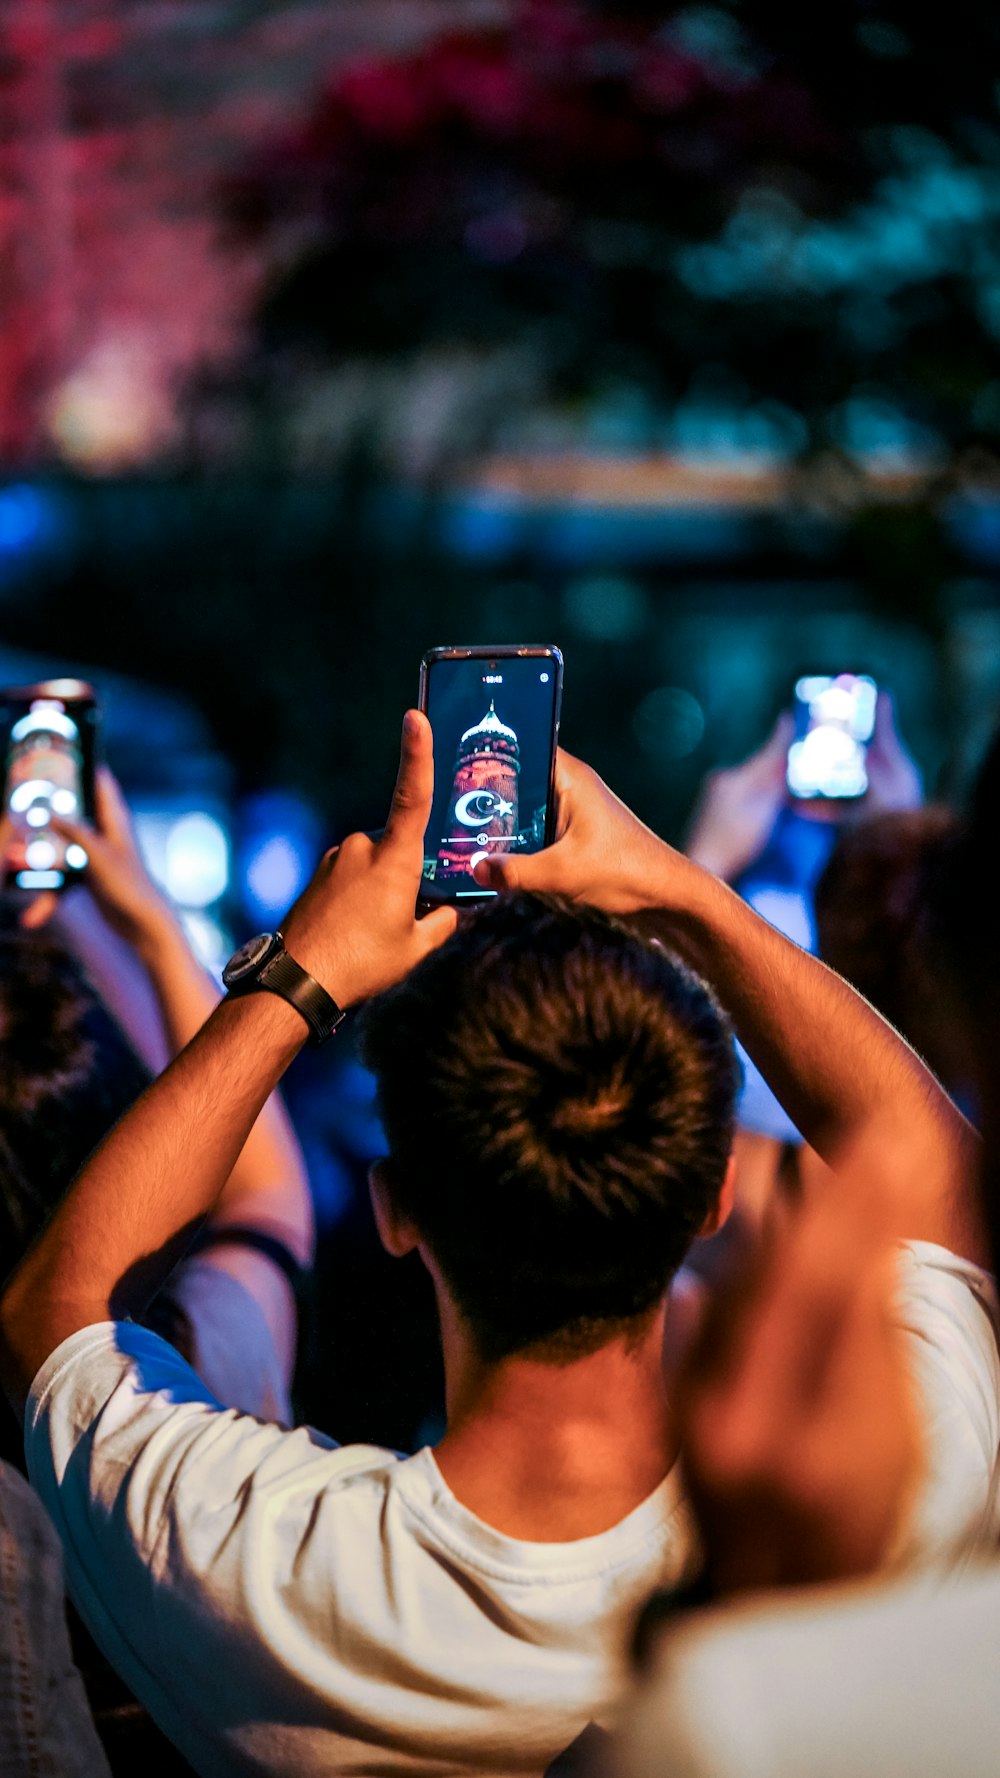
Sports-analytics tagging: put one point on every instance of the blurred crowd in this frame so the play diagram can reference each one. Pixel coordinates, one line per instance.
(692, 1164)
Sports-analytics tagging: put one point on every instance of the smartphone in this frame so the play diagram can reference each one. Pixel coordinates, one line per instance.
(495, 716)
(48, 733)
(834, 722)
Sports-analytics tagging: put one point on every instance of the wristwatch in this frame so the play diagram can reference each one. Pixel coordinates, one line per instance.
(263, 963)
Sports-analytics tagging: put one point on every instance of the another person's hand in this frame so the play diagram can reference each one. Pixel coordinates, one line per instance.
(738, 807)
(355, 927)
(116, 877)
(793, 1404)
(893, 778)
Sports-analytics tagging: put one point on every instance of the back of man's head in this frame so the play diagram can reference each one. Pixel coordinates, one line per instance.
(558, 1097)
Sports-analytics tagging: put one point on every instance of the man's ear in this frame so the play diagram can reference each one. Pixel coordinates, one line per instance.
(396, 1232)
(720, 1211)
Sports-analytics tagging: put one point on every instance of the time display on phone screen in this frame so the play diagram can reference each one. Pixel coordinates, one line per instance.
(494, 719)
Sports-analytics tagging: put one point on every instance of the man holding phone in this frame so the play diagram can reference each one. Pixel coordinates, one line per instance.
(558, 1096)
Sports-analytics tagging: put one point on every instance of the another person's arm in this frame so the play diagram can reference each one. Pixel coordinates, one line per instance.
(266, 1197)
(268, 1185)
(738, 807)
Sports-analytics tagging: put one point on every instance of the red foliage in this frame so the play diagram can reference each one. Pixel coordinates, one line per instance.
(563, 101)
(387, 99)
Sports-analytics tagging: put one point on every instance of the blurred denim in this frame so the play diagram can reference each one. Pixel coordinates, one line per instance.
(46, 1730)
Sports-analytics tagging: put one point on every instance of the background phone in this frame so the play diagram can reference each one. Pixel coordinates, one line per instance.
(48, 734)
(495, 716)
(834, 721)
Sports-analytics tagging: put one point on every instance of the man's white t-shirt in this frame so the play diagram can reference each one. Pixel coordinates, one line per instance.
(282, 1604)
(946, 1308)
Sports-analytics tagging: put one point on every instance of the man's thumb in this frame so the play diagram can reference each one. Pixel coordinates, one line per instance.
(499, 873)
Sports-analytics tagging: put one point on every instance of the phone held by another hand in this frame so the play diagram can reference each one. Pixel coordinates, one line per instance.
(48, 734)
(495, 717)
(834, 722)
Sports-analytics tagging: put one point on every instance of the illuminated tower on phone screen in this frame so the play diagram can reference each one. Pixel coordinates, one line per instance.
(482, 808)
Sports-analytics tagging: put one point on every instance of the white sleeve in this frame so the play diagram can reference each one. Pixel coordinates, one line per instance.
(947, 1310)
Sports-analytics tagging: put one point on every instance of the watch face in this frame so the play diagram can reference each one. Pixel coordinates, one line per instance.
(248, 958)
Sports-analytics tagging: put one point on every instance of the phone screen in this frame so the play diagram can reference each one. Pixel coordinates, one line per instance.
(495, 720)
(48, 734)
(834, 721)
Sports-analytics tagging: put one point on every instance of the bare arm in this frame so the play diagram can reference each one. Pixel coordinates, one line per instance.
(267, 1191)
(267, 1188)
(114, 1238)
(845, 1077)
(738, 807)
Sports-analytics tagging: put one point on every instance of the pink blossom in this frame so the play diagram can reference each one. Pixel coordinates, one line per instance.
(481, 84)
(388, 98)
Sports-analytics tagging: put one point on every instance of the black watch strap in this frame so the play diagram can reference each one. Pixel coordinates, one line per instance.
(280, 974)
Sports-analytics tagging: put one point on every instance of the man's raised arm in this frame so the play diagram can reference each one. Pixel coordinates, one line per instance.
(136, 1203)
(845, 1077)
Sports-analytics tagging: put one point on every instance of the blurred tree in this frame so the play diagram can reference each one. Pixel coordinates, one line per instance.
(664, 227)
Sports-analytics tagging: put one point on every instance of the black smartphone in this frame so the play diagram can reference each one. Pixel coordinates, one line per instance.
(48, 733)
(834, 722)
(495, 716)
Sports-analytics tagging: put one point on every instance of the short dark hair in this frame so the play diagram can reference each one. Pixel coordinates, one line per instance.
(558, 1096)
(67, 1073)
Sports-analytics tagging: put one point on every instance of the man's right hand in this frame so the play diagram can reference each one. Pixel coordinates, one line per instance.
(603, 854)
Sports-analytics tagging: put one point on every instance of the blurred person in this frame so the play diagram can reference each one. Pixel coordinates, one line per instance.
(558, 1096)
(68, 1073)
(46, 1729)
(895, 1677)
(739, 806)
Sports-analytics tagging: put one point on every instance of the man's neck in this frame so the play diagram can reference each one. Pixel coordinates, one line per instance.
(554, 1452)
